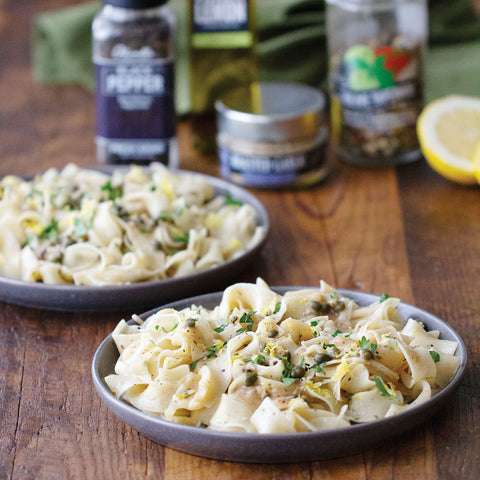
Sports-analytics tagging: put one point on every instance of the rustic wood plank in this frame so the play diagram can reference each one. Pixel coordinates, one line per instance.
(443, 235)
(11, 380)
(344, 231)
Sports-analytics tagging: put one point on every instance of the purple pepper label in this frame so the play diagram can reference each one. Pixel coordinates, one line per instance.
(135, 100)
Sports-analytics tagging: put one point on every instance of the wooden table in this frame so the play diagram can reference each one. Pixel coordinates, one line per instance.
(404, 231)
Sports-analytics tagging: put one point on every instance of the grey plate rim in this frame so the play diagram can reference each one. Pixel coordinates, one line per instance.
(76, 298)
(278, 448)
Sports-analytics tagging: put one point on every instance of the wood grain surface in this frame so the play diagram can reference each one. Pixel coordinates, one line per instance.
(404, 231)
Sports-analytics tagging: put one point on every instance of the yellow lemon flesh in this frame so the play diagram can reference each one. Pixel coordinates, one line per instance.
(476, 161)
(449, 132)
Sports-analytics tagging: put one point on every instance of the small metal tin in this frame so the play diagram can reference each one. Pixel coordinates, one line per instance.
(273, 135)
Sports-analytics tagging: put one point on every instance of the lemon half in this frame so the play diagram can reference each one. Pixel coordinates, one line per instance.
(476, 162)
(449, 132)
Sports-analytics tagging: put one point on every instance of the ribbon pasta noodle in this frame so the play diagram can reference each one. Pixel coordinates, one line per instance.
(84, 227)
(260, 362)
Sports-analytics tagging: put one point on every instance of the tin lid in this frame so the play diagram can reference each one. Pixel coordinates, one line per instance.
(359, 5)
(272, 112)
(135, 4)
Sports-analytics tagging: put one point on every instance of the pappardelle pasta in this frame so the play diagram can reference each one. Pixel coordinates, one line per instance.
(84, 227)
(261, 362)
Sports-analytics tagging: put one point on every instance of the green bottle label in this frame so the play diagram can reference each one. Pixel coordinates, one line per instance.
(220, 24)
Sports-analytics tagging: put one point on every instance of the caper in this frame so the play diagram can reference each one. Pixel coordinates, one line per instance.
(319, 307)
(191, 322)
(297, 372)
(272, 333)
(321, 358)
(366, 354)
(250, 378)
(339, 307)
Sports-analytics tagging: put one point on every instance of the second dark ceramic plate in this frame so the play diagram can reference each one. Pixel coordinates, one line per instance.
(276, 448)
(145, 294)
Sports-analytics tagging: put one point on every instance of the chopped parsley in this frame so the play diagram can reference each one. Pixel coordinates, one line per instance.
(365, 344)
(383, 297)
(229, 200)
(51, 231)
(337, 332)
(384, 390)
(221, 328)
(28, 240)
(247, 320)
(287, 371)
(319, 367)
(168, 331)
(213, 350)
(182, 238)
(277, 307)
(194, 364)
(435, 356)
(291, 372)
(288, 380)
(112, 192)
(258, 359)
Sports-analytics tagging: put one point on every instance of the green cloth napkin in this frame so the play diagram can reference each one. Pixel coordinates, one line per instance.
(292, 46)
(62, 45)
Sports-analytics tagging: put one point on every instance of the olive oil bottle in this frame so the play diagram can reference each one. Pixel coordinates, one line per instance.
(222, 58)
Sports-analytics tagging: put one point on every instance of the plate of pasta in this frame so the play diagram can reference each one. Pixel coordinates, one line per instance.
(88, 239)
(274, 375)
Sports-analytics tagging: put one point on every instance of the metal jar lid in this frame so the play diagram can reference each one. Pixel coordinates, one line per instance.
(366, 5)
(135, 4)
(272, 112)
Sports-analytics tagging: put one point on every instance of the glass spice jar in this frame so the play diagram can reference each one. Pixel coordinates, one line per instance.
(133, 54)
(375, 78)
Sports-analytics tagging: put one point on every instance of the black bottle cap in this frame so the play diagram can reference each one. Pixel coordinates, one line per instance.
(135, 4)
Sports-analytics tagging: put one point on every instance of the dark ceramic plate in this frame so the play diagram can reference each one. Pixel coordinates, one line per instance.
(145, 294)
(276, 448)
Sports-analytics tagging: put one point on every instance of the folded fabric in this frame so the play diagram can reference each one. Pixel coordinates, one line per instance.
(292, 46)
(62, 45)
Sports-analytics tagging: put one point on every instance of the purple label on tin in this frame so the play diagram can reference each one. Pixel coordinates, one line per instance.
(135, 100)
(262, 171)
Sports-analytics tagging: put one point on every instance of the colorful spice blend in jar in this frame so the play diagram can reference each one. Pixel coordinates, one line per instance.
(375, 78)
(273, 136)
(133, 54)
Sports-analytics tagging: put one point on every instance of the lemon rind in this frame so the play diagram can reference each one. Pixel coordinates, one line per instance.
(440, 158)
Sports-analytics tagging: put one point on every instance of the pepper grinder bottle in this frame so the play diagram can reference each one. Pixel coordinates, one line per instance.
(133, 54)
(375, 78)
